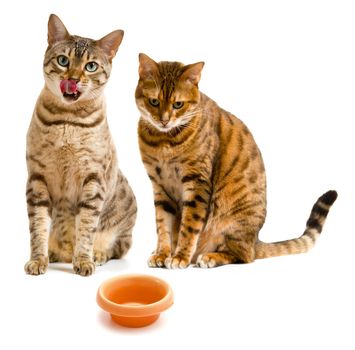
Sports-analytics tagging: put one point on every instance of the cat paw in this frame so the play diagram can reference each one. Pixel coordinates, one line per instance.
(206, 261)
(37, 266)
(83, 267)
(157, 260)
(100, 258)
(177, 262)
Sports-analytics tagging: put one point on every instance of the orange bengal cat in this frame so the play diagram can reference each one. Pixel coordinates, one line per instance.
(207, 174)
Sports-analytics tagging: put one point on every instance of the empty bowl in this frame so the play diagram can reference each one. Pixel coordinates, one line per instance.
(134, 300)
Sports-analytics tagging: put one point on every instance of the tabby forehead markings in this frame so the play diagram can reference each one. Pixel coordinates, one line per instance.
(81, 46)
(217, 196)
(169, 76)
(75, 184)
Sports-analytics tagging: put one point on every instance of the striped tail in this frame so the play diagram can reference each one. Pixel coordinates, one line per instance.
(304, 243)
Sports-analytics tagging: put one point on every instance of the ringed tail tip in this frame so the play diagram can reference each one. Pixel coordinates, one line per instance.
(329, 197)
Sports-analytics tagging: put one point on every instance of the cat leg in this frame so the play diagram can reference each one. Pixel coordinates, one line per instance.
(196, 194)
(122, 244)
(235, 245)
(114, 234)
(241, 244)
(110, 245)
(238, 247)
(165, 215)
(165, 223)
(103, 247)
(38, 207)
(61, 238)
(90, 206)
(126, 217)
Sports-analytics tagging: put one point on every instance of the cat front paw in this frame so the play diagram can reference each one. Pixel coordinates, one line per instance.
(83, 266)
(100, 258)
(177, 262)
(206, 261)
(37, 266)
(157, 260)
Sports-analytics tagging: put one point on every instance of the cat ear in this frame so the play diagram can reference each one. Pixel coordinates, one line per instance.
(147, 66)
(110, 43)
(56, 30)
(192, 72)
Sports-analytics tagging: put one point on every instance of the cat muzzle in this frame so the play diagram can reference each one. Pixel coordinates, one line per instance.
(69, 89)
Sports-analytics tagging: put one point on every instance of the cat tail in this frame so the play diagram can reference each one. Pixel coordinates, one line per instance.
(304, 243)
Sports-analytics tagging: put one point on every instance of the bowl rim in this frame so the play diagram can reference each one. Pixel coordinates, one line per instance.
(134, 310)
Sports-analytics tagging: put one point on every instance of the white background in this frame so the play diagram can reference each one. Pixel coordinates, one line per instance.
(287, 68)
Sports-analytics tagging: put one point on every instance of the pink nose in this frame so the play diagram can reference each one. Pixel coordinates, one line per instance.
(68, 86)
(164, 122)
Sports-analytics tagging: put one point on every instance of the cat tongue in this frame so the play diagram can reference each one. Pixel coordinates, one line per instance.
(68, 86)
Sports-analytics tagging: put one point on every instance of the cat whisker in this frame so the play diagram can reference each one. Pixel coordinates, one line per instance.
(92, 94)
(193, 113)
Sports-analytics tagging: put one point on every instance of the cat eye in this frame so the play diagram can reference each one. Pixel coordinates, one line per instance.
(178, 104)
(63, 61)
(91, 66)
(154, 102)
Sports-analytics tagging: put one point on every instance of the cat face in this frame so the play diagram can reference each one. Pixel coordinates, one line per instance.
(167, 94)
(77, 68)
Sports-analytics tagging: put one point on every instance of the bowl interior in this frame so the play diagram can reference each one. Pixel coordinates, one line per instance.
(135, 291)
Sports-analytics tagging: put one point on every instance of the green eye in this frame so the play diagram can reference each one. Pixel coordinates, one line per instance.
(63, 61)
(154, 102)
(91, 66)
(178, 104)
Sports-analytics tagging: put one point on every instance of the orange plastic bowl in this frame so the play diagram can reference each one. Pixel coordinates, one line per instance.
(134, 300)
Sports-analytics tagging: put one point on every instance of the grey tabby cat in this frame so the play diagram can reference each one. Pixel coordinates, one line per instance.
(73, 175)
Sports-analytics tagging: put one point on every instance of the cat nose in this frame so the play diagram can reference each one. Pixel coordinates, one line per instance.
(164, 118)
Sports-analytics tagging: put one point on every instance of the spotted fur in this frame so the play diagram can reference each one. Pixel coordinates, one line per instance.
(207, 174)
(74, 183)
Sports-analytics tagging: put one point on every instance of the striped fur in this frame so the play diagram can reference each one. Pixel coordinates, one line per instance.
(304, 243)
(207, 175)
(74, 182)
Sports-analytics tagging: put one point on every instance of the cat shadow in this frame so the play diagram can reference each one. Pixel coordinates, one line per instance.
(63, 267)
(111, 266)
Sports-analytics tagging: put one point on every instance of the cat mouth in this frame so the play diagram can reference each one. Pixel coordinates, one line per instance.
(69, 89)
(70, 97)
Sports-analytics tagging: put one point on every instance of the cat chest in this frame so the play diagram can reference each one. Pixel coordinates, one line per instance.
(169, 178)
(65, 163)
(66, 156)
(66, 167)
(69, 146)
